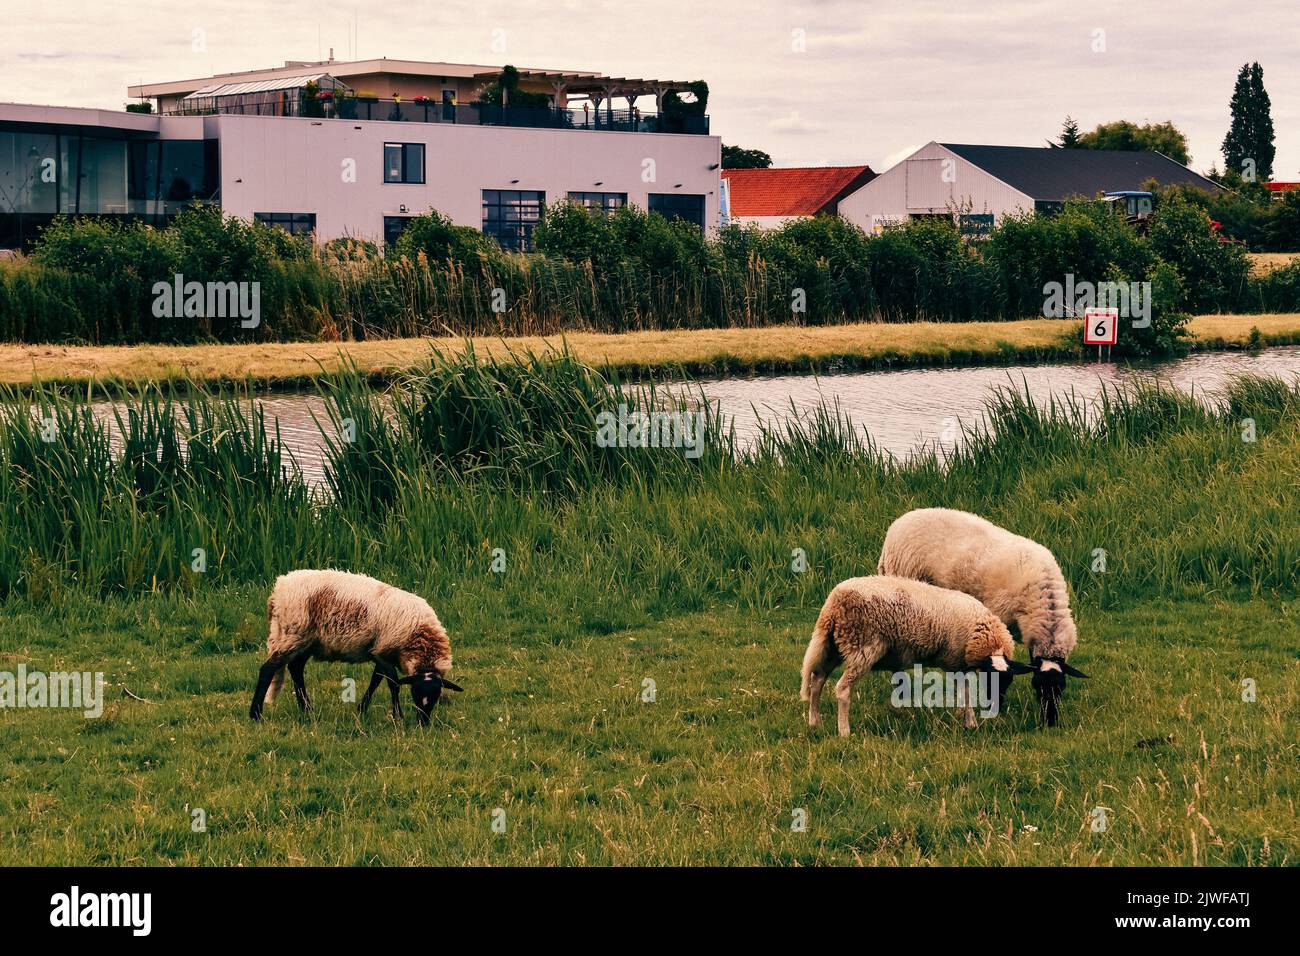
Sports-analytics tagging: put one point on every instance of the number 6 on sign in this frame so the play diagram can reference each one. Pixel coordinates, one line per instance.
(1100, 326)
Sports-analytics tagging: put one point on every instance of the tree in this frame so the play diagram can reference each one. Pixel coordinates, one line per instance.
(737, 157)
(1248, 148)
(505, 91)
(1070, 133)
(1162, 137)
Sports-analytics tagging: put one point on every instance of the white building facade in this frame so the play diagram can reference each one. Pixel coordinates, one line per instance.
(362, 178)
(978, 185)
(298, 159)
(932, 181)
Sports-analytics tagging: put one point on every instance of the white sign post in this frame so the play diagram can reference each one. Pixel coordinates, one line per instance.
(1101, 327)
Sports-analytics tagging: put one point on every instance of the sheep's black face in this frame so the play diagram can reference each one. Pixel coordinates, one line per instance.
(1000, 676)
(1049, 683)
(425, 692)
(426, 688)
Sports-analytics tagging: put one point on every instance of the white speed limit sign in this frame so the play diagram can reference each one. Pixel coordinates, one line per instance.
(1100, 326)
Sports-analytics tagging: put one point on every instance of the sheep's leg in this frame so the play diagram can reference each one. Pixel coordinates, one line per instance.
(964, 702)
(264, 678)
(375, 679)
(396, 691)
(855, 665)
(296, 668)
(815, 684)
(843, 691)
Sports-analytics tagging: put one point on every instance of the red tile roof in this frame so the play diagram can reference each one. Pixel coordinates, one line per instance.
(796, 191)
(1282, 187)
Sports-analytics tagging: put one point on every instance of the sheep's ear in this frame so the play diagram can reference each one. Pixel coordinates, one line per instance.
(406, 680)
(1017, 667)
(447, 683)
(1073, 672)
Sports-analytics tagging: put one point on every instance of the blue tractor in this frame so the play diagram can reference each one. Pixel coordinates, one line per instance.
(1133, 205)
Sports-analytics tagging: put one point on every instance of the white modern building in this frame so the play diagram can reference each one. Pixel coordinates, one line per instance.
(981, 184)
(303, 149)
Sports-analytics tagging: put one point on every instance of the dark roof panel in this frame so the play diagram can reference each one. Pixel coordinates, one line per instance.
(1051, 175)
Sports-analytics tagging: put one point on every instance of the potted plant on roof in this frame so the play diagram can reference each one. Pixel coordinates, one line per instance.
(345, 104)
(504, 94)
(311, 104)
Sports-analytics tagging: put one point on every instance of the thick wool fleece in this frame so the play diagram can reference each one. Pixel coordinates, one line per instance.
(891, 623)
(1016, 578)
(337, 616)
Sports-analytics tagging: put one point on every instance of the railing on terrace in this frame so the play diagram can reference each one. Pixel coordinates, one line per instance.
(465, 114)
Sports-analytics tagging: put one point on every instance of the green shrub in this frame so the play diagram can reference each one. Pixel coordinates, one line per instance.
(570, 231)
(1213, 271)
(1167, 333)
(1086, 240)
(1281, 231)
(442, 242)
(92, 280)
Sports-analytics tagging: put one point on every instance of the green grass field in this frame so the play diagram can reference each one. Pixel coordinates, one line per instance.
(622, 568)
(711, 772)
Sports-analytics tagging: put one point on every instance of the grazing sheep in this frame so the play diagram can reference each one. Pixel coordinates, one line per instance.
(337, 616)
(888, 623)
(1016, 578)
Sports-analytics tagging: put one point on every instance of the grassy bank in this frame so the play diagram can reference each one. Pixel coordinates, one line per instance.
(699, 352)
(625, 564)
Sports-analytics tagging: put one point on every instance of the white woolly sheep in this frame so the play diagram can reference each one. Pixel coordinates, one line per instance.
(337, 616)
(1016, 578)
(889, 623)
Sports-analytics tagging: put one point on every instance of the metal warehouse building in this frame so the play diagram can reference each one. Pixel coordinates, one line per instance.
(981, 184)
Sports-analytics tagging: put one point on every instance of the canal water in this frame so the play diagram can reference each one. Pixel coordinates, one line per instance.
(901, 410)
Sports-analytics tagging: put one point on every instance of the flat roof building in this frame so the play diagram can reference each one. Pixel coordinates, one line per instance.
(310, 147)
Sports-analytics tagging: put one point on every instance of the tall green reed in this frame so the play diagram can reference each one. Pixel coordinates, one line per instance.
(423, 480)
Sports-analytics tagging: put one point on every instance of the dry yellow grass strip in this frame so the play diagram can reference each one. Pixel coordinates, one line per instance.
(919, 343)
(1262, 263)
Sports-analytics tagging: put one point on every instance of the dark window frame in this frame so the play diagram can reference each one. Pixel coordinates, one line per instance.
(391, 232)
(663, 203)
(294, 223)
(408, 150)
(511, 215)
(595, 201)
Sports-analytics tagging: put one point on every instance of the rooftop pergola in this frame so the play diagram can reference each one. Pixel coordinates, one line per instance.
(597, 89)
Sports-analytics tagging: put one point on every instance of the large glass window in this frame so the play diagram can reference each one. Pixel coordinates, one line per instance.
(294, 223)
(29, 173)
(599, 202)
(404, 162)
(688, 206)
(511, 215)
(92, 175)
(170, 173)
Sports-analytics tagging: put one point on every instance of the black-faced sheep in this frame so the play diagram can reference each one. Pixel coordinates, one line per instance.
(337, 616)
(1016, 578)
(888, 623)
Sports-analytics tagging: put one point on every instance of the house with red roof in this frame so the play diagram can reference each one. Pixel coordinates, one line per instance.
(769, 197)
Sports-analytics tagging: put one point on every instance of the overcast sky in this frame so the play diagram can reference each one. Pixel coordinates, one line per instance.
(821, 82)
